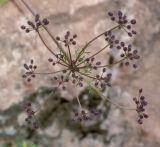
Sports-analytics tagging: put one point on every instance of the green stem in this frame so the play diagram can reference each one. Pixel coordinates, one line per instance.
(69, 51)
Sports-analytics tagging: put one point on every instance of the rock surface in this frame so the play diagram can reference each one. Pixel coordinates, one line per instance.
(89, 16)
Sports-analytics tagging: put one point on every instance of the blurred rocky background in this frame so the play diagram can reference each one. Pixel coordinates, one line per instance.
(87, 18)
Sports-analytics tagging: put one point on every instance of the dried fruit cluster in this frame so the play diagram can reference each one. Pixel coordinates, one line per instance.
(31, 118)
(80, 67)
(141, 103)
(123, 22)
(84, 115)
(35, 25)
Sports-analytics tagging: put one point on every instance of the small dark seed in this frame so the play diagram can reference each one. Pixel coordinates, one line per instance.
(140, 90)
(75, 36)
(23, 27)
(50, 60)
(58, 38)
(133, 21)
(110, 13)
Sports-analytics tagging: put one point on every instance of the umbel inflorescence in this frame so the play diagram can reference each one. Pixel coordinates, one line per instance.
(81, 67)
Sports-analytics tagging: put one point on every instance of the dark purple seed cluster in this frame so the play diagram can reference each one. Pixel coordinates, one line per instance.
(84, 116)
(68, 40)
(62, 80)
(120, 45)
(59, 57)
(111, 39)
(129, 54)
(53, 62)
(141, 103)
(77, 80)
(30, 119)
(30, 71)
(35, 25)
(103, 80)
(123, 22)
(92, 63)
